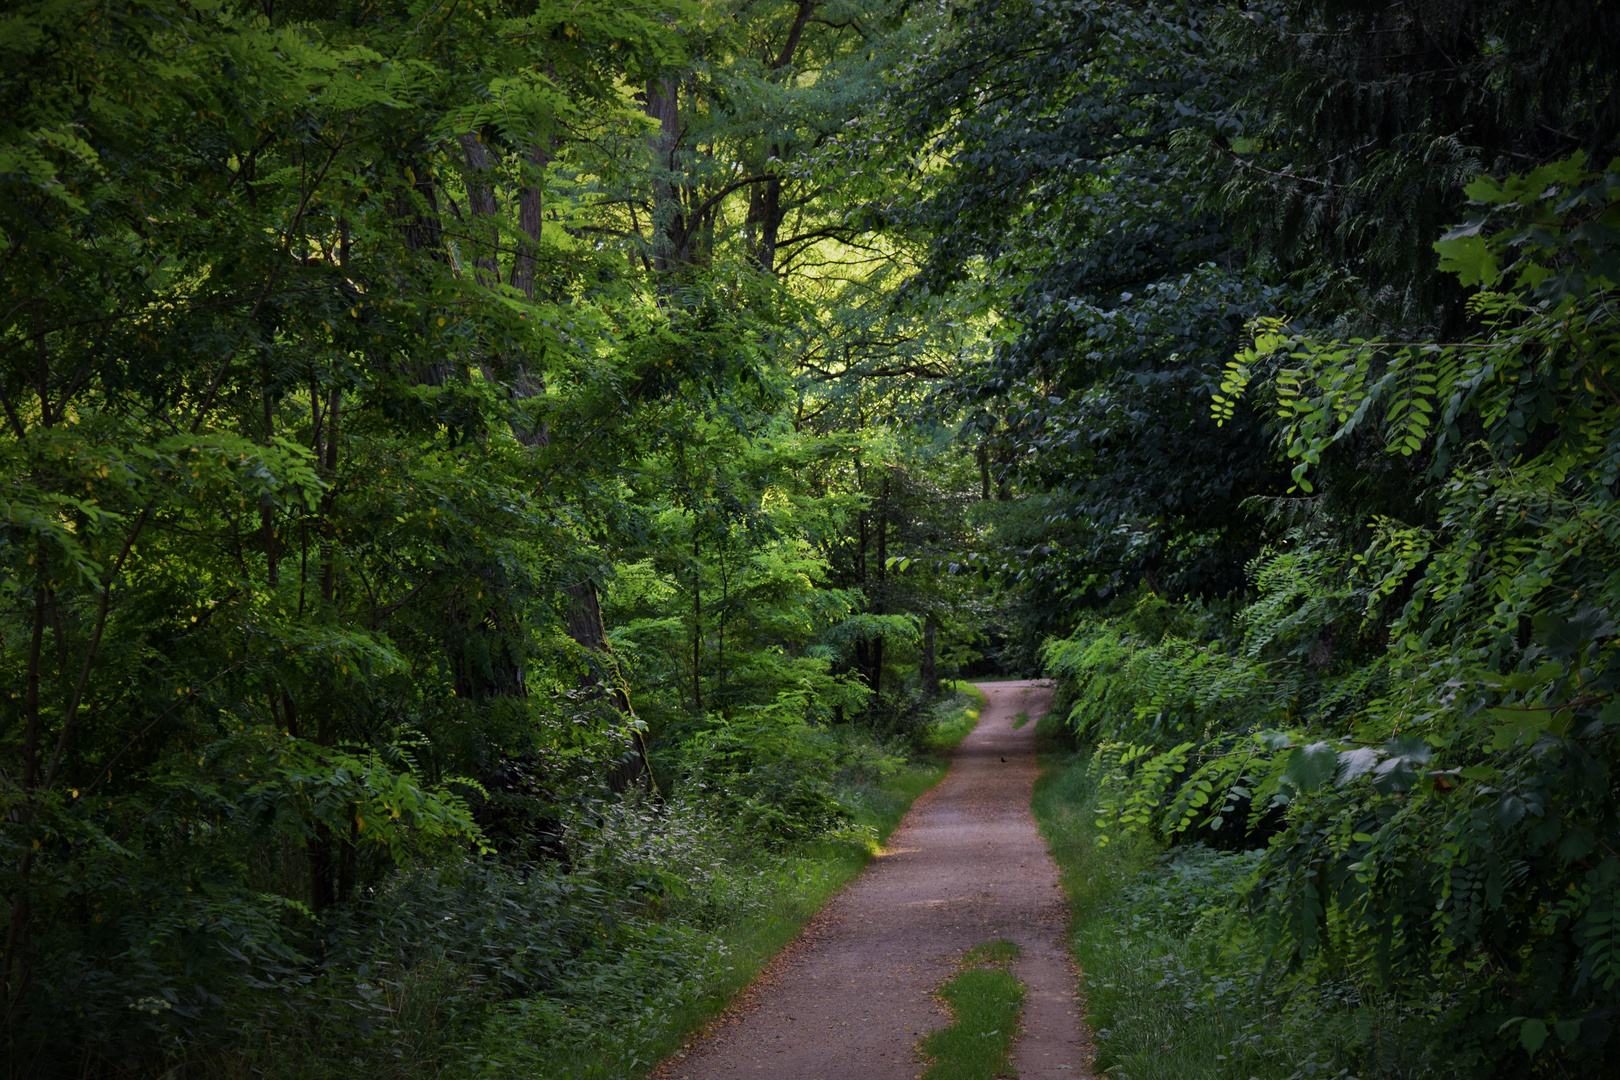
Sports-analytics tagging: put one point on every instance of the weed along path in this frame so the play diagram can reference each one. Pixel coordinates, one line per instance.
(849, 999)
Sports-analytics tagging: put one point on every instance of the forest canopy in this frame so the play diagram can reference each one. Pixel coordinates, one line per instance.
(495, 490)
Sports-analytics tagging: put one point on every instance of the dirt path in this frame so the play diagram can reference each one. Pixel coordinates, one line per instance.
(850, 998)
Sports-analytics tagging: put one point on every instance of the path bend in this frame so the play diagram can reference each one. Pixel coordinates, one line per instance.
(849, 999)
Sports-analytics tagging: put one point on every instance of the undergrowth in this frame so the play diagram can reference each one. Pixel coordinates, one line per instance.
(599, 966)
(1172, 986)
(953, 723)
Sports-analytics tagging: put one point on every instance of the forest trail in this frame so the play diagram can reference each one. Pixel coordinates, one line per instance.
(849, 999)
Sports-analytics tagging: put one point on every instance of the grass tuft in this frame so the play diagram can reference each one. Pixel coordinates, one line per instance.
(985, 1000)
(994, 952)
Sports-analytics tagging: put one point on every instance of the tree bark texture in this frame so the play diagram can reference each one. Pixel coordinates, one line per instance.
(531, 221)
(930, 674)
(484, 227)
(671, 241)
(585, 626)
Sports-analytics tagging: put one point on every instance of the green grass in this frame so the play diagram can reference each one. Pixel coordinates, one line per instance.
(539, 1041)
(1020, 720)
(1001, 951)
(985, 1000)
(955, 717)
(1139, 926)
(533, 1039)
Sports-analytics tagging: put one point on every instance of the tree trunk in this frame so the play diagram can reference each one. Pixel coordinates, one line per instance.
(930, 676)
(670, 243)
(485, 230)
(801, 19)
(585, 626)
(346, 864)
(334, 403)
(486, 268)
(765, 221)
(720, 624)
(765, 202)
(424, 237)
(21, 915)
(880, 605)
(322, 869)
(531, 221)
(697, 625)
(422, 231)
(267, 520)
(324, 856)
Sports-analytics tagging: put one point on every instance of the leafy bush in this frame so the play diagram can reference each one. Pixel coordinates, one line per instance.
(1425, 735)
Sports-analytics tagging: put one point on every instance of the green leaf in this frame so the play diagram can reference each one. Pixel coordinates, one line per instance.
(1485, 189)
(1470, 258)
(1356, 763)
(1399, 770)
(1509, 811)
(1532, 1034)
(1275, 740)
(1309, 767)
(1563, 637)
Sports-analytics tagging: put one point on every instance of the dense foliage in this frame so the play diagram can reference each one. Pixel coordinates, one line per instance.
(440, 565)
(492, 489)
(1315, 429)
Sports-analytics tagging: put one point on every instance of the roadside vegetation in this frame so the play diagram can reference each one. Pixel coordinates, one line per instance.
(738, 902)
(1172, 990)
(492, 493)
(601, 965)
(1308, 380)
(944, 734)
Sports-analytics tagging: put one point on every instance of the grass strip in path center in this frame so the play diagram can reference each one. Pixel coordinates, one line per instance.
(985, 1000)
